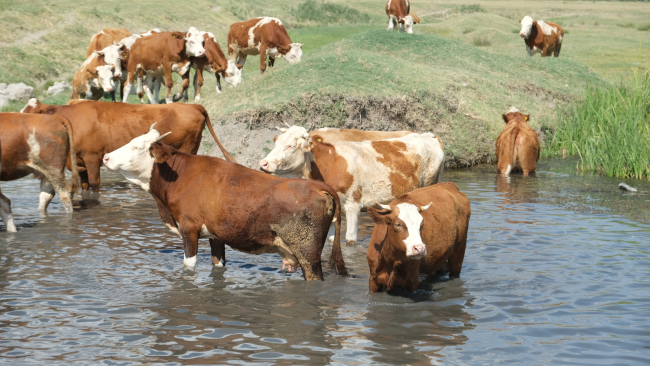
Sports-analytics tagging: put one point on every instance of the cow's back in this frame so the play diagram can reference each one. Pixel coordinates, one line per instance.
(151, 51)
(106, 38)
(336, 134)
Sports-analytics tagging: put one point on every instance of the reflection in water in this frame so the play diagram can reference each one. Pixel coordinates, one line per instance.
(540, 284)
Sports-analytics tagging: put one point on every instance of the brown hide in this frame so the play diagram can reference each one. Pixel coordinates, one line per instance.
(214, 57)
(86, 73)
(56, 144)
(400, 9)
(166, 50)
(109, 36)
(548, 44)
(244, 208)
(444, 234)
(101, 127)
(269, 35)
(517, 145)
(335, 134)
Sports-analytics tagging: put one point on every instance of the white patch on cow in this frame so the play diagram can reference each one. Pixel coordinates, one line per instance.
(546, 28)
(392, 20)
(408, 24)
(173, 229)
(526, 27)
(234, 75)
(508, 169)
(288, 157)
(189, 262)
(262, 21)
(182, 69)
(133, 160)
(194, 43)
(325, 129)
(295, 53)
(111, 55)
(105, 76)
(513, 110)
(33, 102)
(408, 213)
(205, 233)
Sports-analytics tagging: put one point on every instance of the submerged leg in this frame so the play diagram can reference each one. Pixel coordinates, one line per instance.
(5, 213)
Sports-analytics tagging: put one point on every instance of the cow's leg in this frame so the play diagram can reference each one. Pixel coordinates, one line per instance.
(390, 23)
(556, 52)
(47, 194)
(5, 213)
(545, 51)
(216, 74)
(139, 89)
(184, 86)
(263, 56)
(148, 83)
(169, 83)
(113, 95)
(128, 85)
(271, 62)
(401, 27)
(198, 83)
(308, 257)
(92, 167)
(190, 247)
(83, 176)
(241, 59)
(455, 260)
(156, 88)
(218, 252)
(352, 211)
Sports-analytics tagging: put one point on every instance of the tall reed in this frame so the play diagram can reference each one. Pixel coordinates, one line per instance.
(609, 130)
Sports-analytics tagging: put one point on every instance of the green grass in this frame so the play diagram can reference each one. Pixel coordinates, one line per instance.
(474, 8)
(328, 13)
(482, 41)
(609, 130)
(626, 25)
(644, 28)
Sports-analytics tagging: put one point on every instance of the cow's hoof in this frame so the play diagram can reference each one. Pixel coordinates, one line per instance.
(189, 262)
(169, 100)
(197, 98)
(216, 262)
(350, 243)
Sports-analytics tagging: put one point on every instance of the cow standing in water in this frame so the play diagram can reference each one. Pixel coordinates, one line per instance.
(266, 37)
(421, 232)
(517, 146)
(399, 12)
(541, 36)
(206, 197)
(41, 145)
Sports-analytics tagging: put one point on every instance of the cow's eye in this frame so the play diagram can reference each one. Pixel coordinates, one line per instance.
(290, 147)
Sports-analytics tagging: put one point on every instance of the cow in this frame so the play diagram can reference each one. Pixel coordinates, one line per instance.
(101, 42)
(517, 146)
(41, 145)
(262, 36)
(93, 78)
(362, 173)
(161, 54)
(214, 62)
(420, 232)
(128, 42)
(541, 37)
(399, 12)
(206, 197)
(330, 135)
(101, 127)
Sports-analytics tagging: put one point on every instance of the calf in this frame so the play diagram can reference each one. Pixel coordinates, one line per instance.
(423, 231)
(541, 36)
(262, 36)
(205, 197)
(93, 78)
(214, 62)
(161, 54)
(101, 127)
(41, 145)
(399, 12)
(517, 146)
(362, 173)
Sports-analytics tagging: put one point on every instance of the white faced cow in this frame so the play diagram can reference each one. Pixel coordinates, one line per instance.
(362, 173)
(541, 37)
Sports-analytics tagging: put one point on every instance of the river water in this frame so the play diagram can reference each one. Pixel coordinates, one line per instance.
(548, 279)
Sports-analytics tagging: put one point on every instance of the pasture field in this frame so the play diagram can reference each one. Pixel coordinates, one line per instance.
(464, 66)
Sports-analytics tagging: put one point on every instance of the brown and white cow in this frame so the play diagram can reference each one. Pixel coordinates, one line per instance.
(330, 135)
(362, 173)
(214, 62)
(264, 36)
(101, 41)
(399, 12)
(41, 145)
(101, 127)
(94, 77)
(541, 36)
(517, 146)
(160, 54)
(205, 197)
(421, 232)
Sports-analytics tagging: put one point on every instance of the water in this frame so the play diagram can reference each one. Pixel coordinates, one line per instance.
(542, 284)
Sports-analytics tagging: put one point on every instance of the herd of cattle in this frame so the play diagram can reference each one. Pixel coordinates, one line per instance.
(303, 186)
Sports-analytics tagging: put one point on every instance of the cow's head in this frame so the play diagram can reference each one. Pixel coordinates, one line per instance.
(194, 43)
(408, 23)
(135, 160)
(526, 26)
(399, 226)
(104, 75)
(290, 154)
(112, 56)
(293, 53)
(514, 115)
(34, 106)
(232, 73)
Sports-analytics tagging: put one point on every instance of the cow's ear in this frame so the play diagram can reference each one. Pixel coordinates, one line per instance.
(282, 50)
(239, 66)
(159, 152)
(505, 118)
(275, 138)
(520, 22)
(379, 216)
(526, 117)
(307, 144)
(534, 23)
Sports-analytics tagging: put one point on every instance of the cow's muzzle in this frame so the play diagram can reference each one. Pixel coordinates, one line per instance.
(418, 251)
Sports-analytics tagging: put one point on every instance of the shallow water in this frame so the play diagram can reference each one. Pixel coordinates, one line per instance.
(542, 284)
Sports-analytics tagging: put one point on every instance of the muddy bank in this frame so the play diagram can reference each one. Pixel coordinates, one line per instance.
(468, 139)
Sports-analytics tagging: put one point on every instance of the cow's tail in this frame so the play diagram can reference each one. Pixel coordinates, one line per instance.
(415, 18)
(510, 152)
(226, 154)
(75, 181)
(336, 259)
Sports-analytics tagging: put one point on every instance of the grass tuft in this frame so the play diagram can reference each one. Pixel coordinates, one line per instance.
(609, 130)
(482, 41)
(626, 25)
(644, 28)
(468, 30)
(328, 13)
(474, 8)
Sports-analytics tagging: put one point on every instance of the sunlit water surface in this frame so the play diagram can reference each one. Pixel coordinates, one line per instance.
(541, 284)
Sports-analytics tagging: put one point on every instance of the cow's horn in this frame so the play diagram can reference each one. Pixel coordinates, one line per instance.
(282, 129)
(151, 128)
(385, 207)
(286, 124)
(424, 208)
(163, 136)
